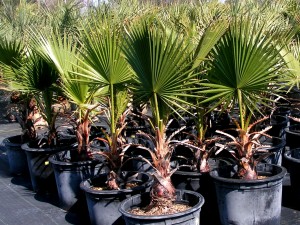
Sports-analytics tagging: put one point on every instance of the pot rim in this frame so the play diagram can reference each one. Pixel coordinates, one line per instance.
(168, 216)
(52, 159)
(287, 129)
(85, 186)
(55, 149)
(288, 155)
(8, 140)
(272, 178)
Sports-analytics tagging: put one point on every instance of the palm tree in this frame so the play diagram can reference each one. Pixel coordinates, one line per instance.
(63, 54)
(12, 56)
(201, 145)
(244, 69)
(103, 66)
(30, 73)
(163, 64)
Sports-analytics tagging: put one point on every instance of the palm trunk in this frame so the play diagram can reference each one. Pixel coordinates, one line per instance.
(162, 194)
(83, 135)
(247, 170)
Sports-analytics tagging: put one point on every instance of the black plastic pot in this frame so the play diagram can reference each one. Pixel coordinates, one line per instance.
(255, 202)
(188, 217)
(276, 146)
(137, 162)
(296, 114)
(294, 93)
(103, 205)
(16, 156)
(203, 184)
(68, 176)
(293, 136)
(278, 123)
(40, 170)
(186, 179)
(283, 111)
(293, 163)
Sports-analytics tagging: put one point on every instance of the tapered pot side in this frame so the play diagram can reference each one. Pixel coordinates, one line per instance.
(16, 156)
(188, 217)
(40, 170)
(292, 136)
(293, 163)
(68, 176)
(201, 183)
(255, 202)
(103, 204)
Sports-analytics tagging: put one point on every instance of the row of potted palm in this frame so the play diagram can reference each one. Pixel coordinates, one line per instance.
(154, 67)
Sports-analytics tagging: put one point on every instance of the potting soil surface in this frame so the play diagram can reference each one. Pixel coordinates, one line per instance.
(19, 205)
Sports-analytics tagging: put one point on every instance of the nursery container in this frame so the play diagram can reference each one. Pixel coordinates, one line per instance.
(293, 163)
(293, 136)
(249, 202)
(103, 204)
(40, 170)
(188, 217)
(16, 156)
(68, 176)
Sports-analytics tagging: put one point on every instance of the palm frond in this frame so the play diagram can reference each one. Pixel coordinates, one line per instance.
(245, 63)
(162, 69)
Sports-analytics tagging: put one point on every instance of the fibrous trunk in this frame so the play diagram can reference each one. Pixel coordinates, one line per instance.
(162, 195)
(247, 171)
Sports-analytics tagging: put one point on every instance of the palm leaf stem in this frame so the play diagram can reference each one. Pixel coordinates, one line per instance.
(112, 108)
(240, 103)
(157, 116)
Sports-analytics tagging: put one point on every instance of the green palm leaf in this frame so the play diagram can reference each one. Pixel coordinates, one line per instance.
(12, 52)
(209, 39)
(102, 55)
(63, 54)
(104, 66)
(245, 62)
(162, 69)
(291, 56)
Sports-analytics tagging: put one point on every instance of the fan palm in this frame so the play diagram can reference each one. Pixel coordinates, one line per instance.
(105, 68)
(164, 79)
(32, 74)
(244, 70)
(63, 54)
(201, 145)
(12, 56)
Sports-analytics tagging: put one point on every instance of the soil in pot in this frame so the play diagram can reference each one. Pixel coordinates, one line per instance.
(103, 204)
(255, 202)
(190, 216)
(16, 156)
